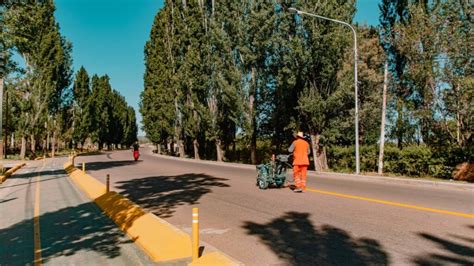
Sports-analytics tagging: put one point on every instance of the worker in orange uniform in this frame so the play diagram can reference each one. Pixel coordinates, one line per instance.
(300, 149)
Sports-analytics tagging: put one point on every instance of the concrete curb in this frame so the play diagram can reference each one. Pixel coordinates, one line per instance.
(10, 172)
(342, 175)
(160, 240)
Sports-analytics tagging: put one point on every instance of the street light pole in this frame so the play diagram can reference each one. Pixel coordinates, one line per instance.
(356, 88)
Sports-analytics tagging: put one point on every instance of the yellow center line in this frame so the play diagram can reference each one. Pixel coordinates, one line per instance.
(37, 238)
(391, 203)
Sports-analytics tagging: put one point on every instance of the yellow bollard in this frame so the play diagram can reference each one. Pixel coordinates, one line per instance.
(107, 185)
(83, 167)
(195, 241)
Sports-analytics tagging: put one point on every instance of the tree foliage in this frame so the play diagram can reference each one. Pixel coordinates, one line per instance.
(222, 72)
(43, 107)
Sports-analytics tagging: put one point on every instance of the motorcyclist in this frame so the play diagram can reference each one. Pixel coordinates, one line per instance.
(136, 147)
(136, 152)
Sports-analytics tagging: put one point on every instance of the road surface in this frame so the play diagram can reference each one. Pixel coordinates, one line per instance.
(341, 220)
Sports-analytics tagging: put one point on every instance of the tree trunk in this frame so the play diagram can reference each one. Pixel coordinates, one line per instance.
(382, 124)
(253, 141)
(12, 142)
(458, 128)
(319, 154)
(1, 119)
(219, 151)
(5, 137)
(181, 148)
(47, 141)
(23, 148)
(158, 148)
(233, 150)
(323, 159)
(196, 149)
(399, 124)
(253, 148)
(315, 147)
(33, 145)
(53, 144)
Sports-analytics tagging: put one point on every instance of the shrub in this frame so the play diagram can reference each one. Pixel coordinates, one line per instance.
(415, 160)
(369, 156)
(391, 159)
(341, 158)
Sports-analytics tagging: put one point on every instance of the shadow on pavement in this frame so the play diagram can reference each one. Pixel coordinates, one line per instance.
(7, 200)
(163, 194)
(35, 174)
(459, 253)
(295, 240)
(93, 166)
(63, 233)
(31, 182)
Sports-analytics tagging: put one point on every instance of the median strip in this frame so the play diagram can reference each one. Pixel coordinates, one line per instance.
(10, 171)
(161, 241)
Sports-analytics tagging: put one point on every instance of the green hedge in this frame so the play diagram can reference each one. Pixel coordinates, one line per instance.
(413, 160)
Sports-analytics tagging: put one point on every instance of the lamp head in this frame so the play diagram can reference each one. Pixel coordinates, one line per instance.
(293, 10)
(285, 8)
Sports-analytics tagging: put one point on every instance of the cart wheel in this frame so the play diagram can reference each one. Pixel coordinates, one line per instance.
(262, 183)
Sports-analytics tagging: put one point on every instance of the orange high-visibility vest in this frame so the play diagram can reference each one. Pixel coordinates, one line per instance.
(300, 154)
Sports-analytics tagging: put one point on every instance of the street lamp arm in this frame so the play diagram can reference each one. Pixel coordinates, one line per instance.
(356, 82)
(294, 10)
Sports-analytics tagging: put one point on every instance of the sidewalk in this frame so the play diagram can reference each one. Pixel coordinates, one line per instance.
(46, 219)
(11, 163)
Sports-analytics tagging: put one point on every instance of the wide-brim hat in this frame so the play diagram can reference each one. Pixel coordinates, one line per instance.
(300, 134)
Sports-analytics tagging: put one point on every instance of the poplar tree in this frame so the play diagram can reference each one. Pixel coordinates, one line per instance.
(157, 104)
(192, 73)
(393, 12)
(457, 71)
(35, 34)
(420, 46)
(326, 43)
(224, 95)
(370, 76)
(82, 116)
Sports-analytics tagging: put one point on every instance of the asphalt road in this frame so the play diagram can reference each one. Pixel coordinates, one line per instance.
(45, 219)
(341, 220)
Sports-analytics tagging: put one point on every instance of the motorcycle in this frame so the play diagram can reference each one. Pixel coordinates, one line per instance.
(136, 155)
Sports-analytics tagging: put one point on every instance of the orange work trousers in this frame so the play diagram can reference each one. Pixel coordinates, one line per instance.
(299, 175)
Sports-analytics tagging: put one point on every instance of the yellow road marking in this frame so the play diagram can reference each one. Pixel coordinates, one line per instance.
(36, 221)
(460, 214)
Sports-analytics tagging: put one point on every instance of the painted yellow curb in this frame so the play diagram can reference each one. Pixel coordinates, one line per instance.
(10, 172)
(214, 258)
(160, 240)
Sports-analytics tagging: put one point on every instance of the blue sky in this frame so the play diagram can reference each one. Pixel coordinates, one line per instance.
(108, 37)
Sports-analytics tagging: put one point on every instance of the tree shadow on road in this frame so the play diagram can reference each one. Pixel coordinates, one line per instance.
(40, 173)
(94, 166)
(163, 194)
(459, 252)
(63, 233)
(295, 240)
